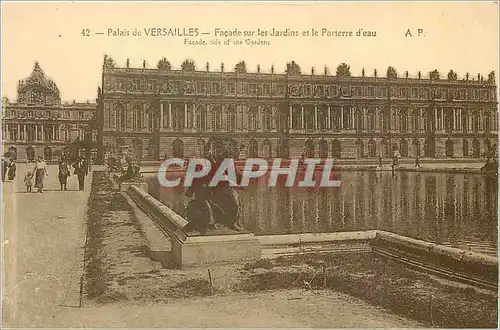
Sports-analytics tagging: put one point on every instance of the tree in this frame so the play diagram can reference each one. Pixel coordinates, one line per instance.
(164, 65)
(434, 75)
(452, 76)
(343, 70)
(491, 77)
(391, 72)
(292, 68)
(241, 67)
(188, 65)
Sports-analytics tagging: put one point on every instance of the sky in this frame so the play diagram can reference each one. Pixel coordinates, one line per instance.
(462, 36)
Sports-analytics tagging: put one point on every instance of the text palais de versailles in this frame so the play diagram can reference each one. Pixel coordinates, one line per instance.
(158, 112)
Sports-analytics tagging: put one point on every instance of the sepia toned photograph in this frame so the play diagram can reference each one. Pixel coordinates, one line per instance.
(250, 164)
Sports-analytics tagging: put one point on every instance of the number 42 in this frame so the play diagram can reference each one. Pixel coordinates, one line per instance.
(86, 32)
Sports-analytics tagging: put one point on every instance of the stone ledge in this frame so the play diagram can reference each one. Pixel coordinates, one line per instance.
(124, 186)
(203, 250)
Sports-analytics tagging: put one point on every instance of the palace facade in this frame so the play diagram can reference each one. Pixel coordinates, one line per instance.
(38, 124)
(162, 112)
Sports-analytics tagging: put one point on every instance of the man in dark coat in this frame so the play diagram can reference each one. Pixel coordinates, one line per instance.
(81, 170)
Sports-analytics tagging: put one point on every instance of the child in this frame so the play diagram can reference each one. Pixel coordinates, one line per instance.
(28, 181)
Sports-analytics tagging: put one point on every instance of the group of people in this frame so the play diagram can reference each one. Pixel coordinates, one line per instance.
(81, 169)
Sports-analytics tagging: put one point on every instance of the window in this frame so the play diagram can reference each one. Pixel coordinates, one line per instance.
(414, 93)
(307, 89)
(382, 92)
(332, 91)
(370, 91)
(81, 115)
(215, 88)
(357, 91)
(12, 113)
(231, 88)
(30, 114)
(201, 87)
(403, 92)
(253, 89)
(47, 114)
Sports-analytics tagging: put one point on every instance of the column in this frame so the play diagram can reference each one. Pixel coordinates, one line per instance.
(302, 116)
(436, 124)
(315, 117)
(329, 125)
(290, 119)
(36, 132)
(170, 115)
(59, 132)
(161, 115)
(341, 117)
(442, 118)
(18, 131)
(185, 115)
(194, 116)
(25, 137)
(53, 132)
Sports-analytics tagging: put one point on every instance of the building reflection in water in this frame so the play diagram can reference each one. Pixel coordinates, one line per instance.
(454, 209)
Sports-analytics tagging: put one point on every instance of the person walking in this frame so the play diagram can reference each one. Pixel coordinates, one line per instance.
(40, 174)
(81, 172)
(64, 173)
(5, 168)
(12, 170)
(28, 181)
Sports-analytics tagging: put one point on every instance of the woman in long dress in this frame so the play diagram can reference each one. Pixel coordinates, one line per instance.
(12, 170)
(64, 173)
(40, 173)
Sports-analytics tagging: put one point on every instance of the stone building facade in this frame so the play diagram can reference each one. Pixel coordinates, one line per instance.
(162, 112)
(38, 124)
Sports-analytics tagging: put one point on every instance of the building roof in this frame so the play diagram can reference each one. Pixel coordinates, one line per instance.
(38, 77)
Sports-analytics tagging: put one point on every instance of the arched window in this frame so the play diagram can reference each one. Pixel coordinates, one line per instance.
(309, 117)
(178, 116)
(403, 120)
(309, 148)
(253, 149)
(268, 151)
(416, 147)
(322, 117)
(360, 149)
(13, 152)
(370, 120)
(216, 118)
(252, 118)
(336, 149)
(449, 148)
(47, 154)
(30, 153)
(335, 118)
(266, 117)
(476, 148)
(403, 147)
(137, 145)
(372, 148)
(465, 147)
(178, 148)
(429, 147)
(323, 149)
(231, 118)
